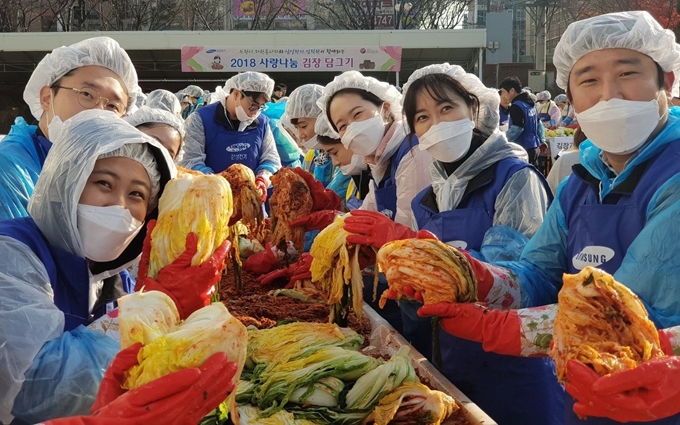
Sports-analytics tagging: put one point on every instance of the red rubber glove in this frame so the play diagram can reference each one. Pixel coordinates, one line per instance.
(296, 271)
(112, 385)
(649, 392)
(375, 229)
(497, 330)
(262, 262)
(180, 398)
(408, 291)
(324, 199)
(262, 184)
(188, 286)
(315, 221)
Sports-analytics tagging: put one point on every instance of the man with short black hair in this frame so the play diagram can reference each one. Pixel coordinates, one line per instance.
(277, 94)
(523, 122)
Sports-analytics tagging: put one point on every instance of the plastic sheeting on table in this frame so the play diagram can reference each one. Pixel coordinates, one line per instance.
(385, 340)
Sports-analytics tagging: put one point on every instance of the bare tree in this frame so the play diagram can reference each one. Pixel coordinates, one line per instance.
(202, 15)
(136, 15)
(437, 14)
(663, 10)
(266, 12)
(345, 14)
(29, 15)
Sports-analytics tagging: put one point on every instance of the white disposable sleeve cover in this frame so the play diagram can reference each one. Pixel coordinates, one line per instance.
(562, 169)
(28, 317)
(522, 203)
(413, 175)
(194, 145)
(369, 203)
(269, 156)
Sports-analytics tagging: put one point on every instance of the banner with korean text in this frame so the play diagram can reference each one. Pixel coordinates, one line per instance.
(282, 59)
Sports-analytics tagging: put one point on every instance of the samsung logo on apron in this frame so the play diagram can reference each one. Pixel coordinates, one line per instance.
(592, 256)
(387, 213)
(238, 147)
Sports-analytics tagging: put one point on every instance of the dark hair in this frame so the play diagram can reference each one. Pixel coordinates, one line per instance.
(579, 137)
(255, 95)
(327, 140)
(511, 83)
(58, 82)
(160, 124)
(283, 86)
(660, 79)
(365, 95)
(278, 88)
(436, 86)
(294, 121)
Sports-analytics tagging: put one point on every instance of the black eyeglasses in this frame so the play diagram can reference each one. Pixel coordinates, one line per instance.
(89, 98)
(254, 106)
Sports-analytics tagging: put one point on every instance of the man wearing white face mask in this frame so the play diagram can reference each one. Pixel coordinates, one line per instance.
(617, 211)
(93, 73)
(233, 131)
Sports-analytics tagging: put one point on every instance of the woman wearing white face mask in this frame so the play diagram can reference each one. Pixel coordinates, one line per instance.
(366, 113)
(347, 163)
(485, 197)
(88, 216)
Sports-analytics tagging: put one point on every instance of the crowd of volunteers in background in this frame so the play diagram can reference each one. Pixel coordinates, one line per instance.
(442, 157)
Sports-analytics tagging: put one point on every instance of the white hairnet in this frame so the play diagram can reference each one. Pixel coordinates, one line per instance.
(250, 81)
(636, 30)
(302, 102)
(147, 115)
(527, 89)
(489, 100)
(560, 98)
(355, 80)
(98, 51)
(165, 100)
(85, 137)
(323, 128)
(139, 152)
(141, 98)
(544, 95)
(532, 97)
(193, 91)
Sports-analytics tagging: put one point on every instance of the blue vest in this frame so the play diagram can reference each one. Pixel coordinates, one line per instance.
(529, 138)
(499, 385)
(225, 146)
(386, 191)
(504, 117)
(69, 274)
(600, 232)
(467, 224)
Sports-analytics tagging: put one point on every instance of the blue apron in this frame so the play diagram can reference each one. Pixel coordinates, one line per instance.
(600, 232)
(544, 116)
(465, 226)
(529, 138)
(69, 274)
(502, 386)
(504, 117)
(386, 191)
(386, 200)
(225, 146)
